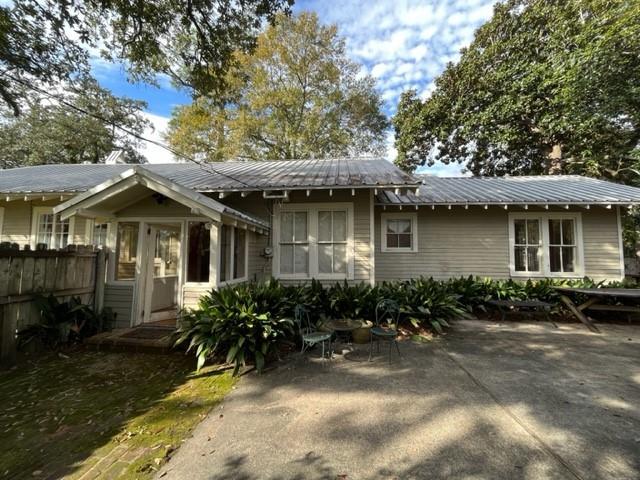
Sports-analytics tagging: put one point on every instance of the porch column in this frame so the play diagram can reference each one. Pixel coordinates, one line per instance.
(214, 254)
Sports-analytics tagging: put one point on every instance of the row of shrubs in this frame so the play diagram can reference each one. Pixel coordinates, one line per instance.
(246, 322)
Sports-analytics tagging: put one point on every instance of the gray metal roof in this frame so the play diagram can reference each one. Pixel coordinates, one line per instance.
(214, 177)
(543, 189)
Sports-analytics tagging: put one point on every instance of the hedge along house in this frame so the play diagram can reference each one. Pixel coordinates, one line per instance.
(174, 231)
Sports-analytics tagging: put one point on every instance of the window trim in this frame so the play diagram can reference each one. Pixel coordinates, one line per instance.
(231, 252)
(312, 210)
(413, 217)
(35, 216)
(1, 222)
(545, 263)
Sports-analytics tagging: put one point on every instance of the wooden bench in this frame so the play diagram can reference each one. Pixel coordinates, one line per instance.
(521, 306)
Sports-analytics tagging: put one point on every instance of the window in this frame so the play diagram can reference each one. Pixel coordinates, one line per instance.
(126, 251)
(294, 243)
(99, 234)
(562, 245)
(233, 254)
(1, 221)
(198, 252)
(527, 245)
(314, 240)
(546, 244)
(50, 229)
(399, 232)
(332, 241)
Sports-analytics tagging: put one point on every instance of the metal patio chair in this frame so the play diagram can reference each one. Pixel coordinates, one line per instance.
(386, 326)
(310, 335)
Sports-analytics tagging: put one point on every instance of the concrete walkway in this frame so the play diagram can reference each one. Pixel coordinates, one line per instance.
(489, 400)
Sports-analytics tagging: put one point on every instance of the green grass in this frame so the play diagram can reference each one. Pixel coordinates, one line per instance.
(61, 414)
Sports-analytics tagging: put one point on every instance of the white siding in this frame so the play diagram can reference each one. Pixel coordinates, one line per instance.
(120, 299)
(458, 242)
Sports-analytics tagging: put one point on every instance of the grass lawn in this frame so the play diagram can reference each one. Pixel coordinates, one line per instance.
(117, 414)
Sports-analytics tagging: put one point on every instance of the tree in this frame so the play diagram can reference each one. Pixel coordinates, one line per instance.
(297, 95)
(547, 86)
(190, 41)
(52, 132)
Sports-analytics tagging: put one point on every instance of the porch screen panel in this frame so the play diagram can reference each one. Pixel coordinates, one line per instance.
(126, 251)
(294, 243)
(198, 252)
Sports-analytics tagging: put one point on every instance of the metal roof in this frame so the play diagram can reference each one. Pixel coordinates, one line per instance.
(216, 177)
(542, 189)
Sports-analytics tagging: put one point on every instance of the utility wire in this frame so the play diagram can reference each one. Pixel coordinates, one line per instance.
(204, 165)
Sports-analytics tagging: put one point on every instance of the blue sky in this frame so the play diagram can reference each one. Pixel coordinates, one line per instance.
(402, 43)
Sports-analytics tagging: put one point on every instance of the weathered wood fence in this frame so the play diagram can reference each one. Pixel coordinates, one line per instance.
(77, 271)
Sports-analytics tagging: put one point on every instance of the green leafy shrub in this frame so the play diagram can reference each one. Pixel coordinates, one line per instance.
(242, 322)
(63, 322)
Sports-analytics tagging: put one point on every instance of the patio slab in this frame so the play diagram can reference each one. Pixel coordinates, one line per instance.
(490, 400)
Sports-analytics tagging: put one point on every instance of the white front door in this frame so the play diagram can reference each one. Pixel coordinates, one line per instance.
(160, 272)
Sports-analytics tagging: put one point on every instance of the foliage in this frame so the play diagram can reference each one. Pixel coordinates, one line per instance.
(545, 87)
(192, 42)
(297, 95)
(237, 322)
(62, 322)
(49, 132)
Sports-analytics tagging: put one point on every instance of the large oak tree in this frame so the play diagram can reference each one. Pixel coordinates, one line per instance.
(297, 95)
(547, 86)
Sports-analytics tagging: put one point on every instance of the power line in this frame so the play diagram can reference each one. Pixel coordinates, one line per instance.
(203, 165)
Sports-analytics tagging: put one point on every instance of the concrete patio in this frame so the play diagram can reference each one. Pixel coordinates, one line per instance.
(489, 400)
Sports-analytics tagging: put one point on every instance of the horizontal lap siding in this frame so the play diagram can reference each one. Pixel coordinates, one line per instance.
(451, 243)
(458, 242)
(120, 299)
(601, 244)
(191, 294)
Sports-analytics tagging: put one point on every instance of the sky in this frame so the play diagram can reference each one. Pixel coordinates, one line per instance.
(403, 44)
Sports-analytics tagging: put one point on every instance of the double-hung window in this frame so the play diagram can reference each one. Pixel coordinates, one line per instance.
(399, 232)
(546, 244)
(50, 229)
(314, 241)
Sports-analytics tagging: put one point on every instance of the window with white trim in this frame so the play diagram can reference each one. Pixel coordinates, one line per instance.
(314, 241)
(99, 234)
(399, 232)
(233, 254)
(50, 229)
(1, 222)
(546, 244)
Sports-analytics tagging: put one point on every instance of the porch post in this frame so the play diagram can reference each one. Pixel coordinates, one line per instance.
(214, 255)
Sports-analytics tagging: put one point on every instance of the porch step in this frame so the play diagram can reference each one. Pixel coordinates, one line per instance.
(163, 315)
(138, 339)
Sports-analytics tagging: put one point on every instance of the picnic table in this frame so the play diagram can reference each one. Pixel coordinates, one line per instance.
(595, 299)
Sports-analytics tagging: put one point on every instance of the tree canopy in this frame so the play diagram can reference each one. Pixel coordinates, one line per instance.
(297, 95)
(192, 42)
(52, 132)
(547, 86)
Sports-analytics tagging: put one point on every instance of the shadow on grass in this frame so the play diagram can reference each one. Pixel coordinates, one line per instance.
(63, 414)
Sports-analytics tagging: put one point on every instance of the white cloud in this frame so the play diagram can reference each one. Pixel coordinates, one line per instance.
(155, 153)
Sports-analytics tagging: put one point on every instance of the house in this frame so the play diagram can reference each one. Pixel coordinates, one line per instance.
(174, 231)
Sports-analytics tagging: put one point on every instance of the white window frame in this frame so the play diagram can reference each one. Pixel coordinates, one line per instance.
(1, 222)
(413, 217)
(545, 262)
(90, 225)
(35, 217)
(231, 254)
(312, 210)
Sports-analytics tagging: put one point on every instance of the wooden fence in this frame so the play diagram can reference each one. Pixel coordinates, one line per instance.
(25, 274)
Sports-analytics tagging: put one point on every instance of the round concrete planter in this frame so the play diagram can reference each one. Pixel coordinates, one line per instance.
(361, 335)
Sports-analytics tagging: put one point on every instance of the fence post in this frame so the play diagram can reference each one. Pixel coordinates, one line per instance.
(7, 338)
(98, 298)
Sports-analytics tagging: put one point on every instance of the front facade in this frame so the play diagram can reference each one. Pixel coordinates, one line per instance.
(173, 232)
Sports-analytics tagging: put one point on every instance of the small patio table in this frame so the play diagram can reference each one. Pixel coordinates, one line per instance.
(595, 297)
(343, 327)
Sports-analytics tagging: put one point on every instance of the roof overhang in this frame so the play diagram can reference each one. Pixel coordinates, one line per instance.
(88, 203)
